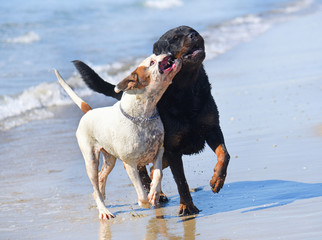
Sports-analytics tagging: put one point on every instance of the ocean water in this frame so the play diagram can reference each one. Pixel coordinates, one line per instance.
(112, 37)
(42, 174)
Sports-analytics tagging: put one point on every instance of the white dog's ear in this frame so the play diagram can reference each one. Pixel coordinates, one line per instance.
(127, 83)
(140, 78)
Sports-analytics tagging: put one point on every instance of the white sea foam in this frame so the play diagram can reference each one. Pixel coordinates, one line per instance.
(32, 104)
(26, 38)
(221, 38)
(163, 4)
(296, 6)
(28, 116)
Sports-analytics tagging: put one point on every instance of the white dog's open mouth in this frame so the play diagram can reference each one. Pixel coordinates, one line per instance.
(167, 64)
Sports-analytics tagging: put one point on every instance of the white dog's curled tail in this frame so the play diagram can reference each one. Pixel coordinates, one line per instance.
(79, 102)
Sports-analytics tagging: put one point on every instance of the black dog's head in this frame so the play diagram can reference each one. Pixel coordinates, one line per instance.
(182, 42)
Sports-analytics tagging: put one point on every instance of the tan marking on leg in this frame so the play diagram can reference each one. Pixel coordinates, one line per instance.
(220, 170)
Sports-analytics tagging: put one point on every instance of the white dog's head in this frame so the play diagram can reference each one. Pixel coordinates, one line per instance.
(155, 72)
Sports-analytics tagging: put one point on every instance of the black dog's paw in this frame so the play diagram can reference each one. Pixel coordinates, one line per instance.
(163, 198)
(217, 182)
(188, 209)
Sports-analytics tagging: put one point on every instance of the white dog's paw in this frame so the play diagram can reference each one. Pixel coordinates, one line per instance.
(105, 214)
(144, 203)
(154, 197)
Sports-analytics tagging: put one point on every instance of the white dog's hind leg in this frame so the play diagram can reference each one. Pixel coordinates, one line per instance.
(107, 167)
(133, 173)
(155, 188)
(91, 156)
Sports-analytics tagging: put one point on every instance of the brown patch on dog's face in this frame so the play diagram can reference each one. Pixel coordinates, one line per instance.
(182, 51)
(140, 78)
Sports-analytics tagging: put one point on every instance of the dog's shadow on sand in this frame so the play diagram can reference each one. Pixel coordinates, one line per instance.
(251, 196)
(245, 197)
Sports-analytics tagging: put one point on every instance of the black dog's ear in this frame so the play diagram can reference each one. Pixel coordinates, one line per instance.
(156, 48)
(161, 46)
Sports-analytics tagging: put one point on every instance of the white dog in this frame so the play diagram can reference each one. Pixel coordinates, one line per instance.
(131, 130)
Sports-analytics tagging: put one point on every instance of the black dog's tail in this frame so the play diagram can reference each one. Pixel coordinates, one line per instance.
(95, 82)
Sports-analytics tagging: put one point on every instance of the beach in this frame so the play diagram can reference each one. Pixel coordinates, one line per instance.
(268, 89)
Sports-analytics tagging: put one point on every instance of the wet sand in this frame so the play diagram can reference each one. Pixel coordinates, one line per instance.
(269, 93)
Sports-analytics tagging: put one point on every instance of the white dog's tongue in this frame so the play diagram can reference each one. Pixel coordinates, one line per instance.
(166, 64)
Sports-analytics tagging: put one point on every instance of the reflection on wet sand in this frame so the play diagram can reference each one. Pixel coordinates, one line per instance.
(158, 226)
(105, 230)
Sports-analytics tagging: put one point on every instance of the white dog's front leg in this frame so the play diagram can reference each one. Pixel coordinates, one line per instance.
(133, 173)
(155, 189)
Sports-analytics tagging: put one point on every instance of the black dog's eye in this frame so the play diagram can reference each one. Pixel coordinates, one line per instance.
(174, 39)
(152, 63)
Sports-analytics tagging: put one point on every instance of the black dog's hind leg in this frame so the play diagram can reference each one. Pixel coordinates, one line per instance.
(186, 205)
(146, 181)
(95, 82)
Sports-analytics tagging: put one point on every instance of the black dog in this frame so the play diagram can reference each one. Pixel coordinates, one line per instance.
(187, 109)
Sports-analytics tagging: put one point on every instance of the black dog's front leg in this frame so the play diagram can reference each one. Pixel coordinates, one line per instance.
(175, 162)
(215, 140)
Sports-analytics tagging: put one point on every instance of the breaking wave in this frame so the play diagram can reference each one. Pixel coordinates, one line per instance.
(222, 37)
(26, 38)
(163, 4)
(33, 103)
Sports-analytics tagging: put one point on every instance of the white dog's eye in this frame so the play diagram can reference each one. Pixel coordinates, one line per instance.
(152, 63)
